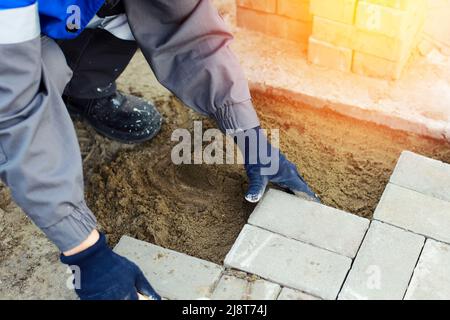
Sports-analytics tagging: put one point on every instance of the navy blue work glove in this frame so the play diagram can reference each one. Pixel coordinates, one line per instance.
(104, 275)
(259, 156)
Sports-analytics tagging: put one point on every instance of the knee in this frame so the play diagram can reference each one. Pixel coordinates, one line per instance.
(55, 64)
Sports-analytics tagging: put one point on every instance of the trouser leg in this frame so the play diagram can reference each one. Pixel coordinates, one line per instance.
(39, 154)
(186, 43)
(97, 58)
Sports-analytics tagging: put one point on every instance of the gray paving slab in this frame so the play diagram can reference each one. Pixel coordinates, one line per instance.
(289, 262)
(310, 222)
(422, 174)
(174, 275)
(431, 279)
(384, 264)
(291, 294)
(233, 288)
(414, 211)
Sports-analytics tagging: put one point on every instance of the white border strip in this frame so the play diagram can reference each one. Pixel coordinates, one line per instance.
(19, 25)
(116, 25)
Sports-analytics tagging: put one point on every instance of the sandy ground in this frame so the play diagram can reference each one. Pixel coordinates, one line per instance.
(199, 209)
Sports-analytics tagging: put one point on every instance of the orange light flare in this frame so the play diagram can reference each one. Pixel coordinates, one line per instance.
(375, 38)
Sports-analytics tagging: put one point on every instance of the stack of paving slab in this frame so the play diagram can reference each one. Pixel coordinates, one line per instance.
(299, 250)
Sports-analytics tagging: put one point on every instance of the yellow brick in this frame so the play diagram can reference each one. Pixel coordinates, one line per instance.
(382, 46)
(261, 5)
(386, 20)
(379, 45)
(372, 66)
(294, 30)
(337, 33)
(380, 19)
(396, 4)
(338, 10)
(274, 25)
(296, 9)
(328, 55)
(253, 20)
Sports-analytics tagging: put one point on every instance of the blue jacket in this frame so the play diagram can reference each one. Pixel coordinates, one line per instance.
(56, 15)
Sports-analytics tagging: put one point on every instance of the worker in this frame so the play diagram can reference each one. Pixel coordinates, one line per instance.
(60, 55)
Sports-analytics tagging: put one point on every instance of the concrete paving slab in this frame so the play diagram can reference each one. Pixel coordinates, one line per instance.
(174, 275)
(233, 288)
(414, 211)
(384, 264)
(431, 279)
(289, 262)
(310, 222)
(428, 176)
(291, 294)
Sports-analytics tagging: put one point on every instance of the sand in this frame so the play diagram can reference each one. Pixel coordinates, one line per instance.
(200, 210)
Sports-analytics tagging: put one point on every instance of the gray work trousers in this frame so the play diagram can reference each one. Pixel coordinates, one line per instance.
(186, 44)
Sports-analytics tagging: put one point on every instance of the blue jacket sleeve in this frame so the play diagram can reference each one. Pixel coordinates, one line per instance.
(14, 4)
(66, 19)
(59, 19)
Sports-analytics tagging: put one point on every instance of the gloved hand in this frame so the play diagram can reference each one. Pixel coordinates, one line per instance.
(287, 175)
(107, 276)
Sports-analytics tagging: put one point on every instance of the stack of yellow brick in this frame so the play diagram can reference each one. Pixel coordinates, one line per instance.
(370, 37)
(288, 19)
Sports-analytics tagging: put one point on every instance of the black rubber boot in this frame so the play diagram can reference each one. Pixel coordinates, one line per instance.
(120, 117)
